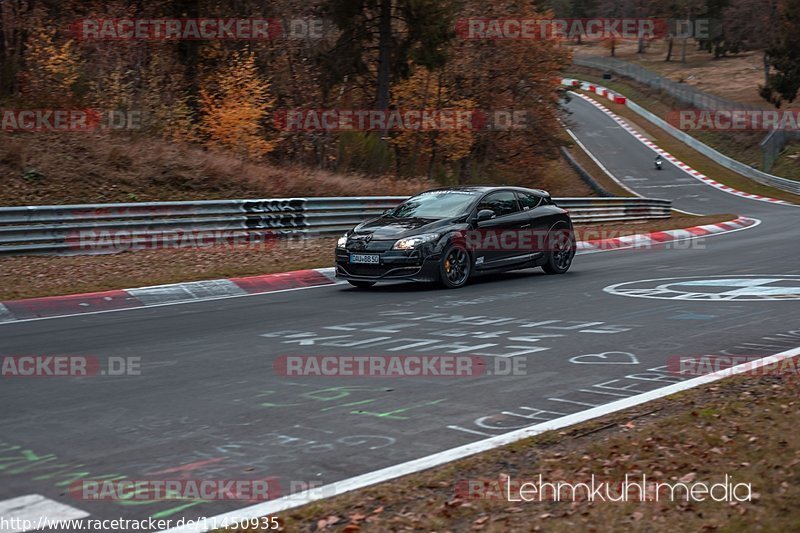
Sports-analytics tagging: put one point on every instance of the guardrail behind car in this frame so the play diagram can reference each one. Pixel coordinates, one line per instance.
(60, 229)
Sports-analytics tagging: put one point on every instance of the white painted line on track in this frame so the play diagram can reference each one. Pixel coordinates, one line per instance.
(602, 167)
(613, 177)
(417, 465)
(34, 510)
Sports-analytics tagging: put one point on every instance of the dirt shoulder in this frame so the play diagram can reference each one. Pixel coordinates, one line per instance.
(743, 427)
(35, 276)
(104, 168)
(735, 77)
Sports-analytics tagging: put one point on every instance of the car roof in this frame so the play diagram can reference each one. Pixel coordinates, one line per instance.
(490, 188)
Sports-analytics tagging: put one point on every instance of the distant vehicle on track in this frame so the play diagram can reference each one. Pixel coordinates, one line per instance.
(450, 234)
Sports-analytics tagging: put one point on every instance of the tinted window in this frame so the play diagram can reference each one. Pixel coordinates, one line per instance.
(434, 204)
(529, 201)
(502, 203)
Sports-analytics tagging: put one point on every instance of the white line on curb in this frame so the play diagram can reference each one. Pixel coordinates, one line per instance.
(599, 164)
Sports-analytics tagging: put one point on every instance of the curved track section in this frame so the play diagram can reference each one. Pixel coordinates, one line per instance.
(209, 404)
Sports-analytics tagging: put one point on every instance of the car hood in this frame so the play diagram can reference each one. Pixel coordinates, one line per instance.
(385, 228)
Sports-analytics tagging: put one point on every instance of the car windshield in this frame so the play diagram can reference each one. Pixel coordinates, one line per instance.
(434, 204)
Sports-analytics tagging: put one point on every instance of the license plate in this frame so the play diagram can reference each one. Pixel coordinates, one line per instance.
(365, 259)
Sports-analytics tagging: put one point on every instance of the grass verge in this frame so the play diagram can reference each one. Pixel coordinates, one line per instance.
(36, 276)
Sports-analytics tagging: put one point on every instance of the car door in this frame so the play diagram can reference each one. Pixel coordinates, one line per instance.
(537, 219)
(500, 235)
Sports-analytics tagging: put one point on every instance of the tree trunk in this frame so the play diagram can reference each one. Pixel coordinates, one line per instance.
(384, 72)
(683, 51)
(670, 45)
(189, 52)
(641, 46)
(384, 55)
(766, 68)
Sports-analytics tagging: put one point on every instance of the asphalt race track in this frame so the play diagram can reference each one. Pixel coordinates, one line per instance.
(208, 403)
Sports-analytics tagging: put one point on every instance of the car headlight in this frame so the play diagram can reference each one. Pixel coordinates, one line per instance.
(342, 242)
(412, 242)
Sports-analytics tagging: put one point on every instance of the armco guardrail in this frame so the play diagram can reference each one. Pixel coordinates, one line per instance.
(80, 229)
(727, 162)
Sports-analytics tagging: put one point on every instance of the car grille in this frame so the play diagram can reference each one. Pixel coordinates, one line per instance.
(366, 270)
(379, 270)
(356, 245)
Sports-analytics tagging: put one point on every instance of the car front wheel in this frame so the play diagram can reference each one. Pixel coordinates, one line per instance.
(455, 266)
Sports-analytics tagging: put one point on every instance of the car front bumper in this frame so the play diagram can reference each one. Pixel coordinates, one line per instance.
(393, 266)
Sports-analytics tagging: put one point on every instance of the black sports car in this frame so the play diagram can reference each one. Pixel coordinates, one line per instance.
(447, 235)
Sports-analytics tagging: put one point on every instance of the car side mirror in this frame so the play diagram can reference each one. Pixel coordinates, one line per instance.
(484, 214)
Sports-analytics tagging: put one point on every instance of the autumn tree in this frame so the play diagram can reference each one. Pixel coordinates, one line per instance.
(380, 42)
(784, 56)
(427, 90)
(682, 15)
(500, 75)
(751, 24)
(14, 20)
(234, 103)
(716, 41)
(52, 68)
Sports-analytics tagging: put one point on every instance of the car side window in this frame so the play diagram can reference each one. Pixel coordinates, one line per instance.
(501, 202)
(529, 201)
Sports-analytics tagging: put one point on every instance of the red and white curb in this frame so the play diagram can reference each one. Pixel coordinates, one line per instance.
(196, 291)
(76, 304)
(597, 89)
(653, 239)
(34, 512)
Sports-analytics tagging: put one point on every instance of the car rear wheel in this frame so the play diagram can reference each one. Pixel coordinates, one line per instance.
(455, 266)
(561, 244)
(361, 284)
